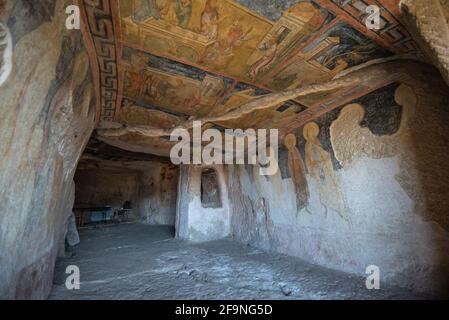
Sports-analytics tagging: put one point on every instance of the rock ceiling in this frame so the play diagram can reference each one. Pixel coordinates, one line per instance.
(158, 63)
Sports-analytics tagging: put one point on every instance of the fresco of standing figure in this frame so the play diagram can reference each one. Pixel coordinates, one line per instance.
(183, 10)
(297, 171)
(209, 21)
(319, 165)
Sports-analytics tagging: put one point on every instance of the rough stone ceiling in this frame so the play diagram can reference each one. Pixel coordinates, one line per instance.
(161, 62)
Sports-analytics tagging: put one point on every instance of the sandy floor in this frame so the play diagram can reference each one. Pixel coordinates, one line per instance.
(136, 261)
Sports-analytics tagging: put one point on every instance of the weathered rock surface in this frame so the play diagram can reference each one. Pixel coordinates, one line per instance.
(429, 22)
(47, 118)
(151, 187)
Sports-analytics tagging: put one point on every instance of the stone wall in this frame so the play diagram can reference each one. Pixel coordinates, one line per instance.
(47, 116)
(363, 185)
(194, 220)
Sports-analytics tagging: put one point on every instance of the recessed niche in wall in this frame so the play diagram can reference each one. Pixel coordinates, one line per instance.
(210, 189)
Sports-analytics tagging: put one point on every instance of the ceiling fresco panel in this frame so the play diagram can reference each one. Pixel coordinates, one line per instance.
(174, 60)
(225, 36)
(337, 49)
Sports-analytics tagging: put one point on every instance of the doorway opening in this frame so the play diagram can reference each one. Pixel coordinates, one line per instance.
(114, 186)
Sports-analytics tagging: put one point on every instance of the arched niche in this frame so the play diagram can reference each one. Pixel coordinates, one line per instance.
(210, 189)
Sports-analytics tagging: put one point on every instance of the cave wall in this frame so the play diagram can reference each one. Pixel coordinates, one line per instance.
(150, 186)
(47, 116)
(428, 21)
(106, 187)
(158, 192)
(363, 185)
(195, 221)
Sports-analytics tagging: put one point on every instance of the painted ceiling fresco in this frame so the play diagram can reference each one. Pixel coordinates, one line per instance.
(163, 61)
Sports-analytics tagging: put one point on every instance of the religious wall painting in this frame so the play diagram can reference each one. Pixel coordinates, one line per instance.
(178, 12)
(171, 92)
(169, 66)
(228, 53)
(297, 172)
(390, 29)
(206, 31)
(351, 141)
(352, 135)
(169, 86)
(347, 47)
(383, 115)
(299, 22)
(222, 35)
(445, 7)
(175, 87)
(354, 139)
(320, 168)
(370, 126)
(339, 48)
(257, 91)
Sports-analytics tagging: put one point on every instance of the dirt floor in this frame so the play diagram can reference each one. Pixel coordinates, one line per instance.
(136, 261)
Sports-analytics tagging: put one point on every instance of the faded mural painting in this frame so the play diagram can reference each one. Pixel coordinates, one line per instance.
(183, 59)
(337, 49)
(176, 88)
(244, 40)
(363, 164)
(297, 171)
(224, 35)
(366, 161)
(319, 166)
(375, 126)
